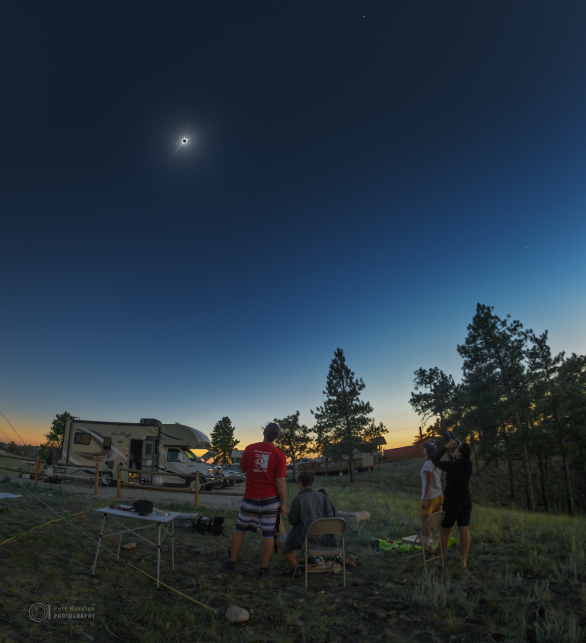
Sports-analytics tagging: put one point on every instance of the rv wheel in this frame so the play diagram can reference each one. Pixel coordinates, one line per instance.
(202, 481)
(106, 479)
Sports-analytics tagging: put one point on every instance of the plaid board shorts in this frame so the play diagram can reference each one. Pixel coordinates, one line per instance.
(255, 510)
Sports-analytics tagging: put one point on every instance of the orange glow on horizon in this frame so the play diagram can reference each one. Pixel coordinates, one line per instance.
(33, 432)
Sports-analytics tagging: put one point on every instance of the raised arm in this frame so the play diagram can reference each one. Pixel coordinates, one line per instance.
(444, 466)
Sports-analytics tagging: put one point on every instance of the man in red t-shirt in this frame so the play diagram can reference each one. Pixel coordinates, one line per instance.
(264, 497)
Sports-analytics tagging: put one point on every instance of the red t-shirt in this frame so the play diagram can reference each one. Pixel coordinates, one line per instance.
(263, 463)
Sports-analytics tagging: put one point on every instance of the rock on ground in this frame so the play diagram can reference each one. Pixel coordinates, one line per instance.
(236, 614)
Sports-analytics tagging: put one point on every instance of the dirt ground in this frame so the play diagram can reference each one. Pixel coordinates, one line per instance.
(218, 499)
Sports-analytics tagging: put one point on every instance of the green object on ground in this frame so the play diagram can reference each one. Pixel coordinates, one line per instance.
(398, 546)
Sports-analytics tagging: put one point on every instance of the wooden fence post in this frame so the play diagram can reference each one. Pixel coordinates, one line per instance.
(37, 465)
(119, 481)
(97, 481)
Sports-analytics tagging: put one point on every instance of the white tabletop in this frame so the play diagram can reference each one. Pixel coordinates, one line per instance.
(152, 517)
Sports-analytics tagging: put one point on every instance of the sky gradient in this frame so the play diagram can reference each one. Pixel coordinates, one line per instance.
(357, 175)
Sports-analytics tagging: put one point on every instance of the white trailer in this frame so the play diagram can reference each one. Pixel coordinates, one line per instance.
(147, 446)
(363, 461)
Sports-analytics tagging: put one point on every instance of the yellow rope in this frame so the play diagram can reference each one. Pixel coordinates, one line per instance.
(110, 552)
(38, 526)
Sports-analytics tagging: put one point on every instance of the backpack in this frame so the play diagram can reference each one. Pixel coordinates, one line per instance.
(217, 527)
(202, 525)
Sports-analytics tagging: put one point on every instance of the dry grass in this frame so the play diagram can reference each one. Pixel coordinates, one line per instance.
(526, 582)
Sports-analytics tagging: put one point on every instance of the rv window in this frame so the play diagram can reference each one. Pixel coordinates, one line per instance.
(107, 443)
(188, 453)
(174, 455)
(81, 438)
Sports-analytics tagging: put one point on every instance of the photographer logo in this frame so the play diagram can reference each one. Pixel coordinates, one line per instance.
(39, 612)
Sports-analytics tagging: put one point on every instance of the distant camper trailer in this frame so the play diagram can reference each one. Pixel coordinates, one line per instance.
(147, 446)
(363, 461)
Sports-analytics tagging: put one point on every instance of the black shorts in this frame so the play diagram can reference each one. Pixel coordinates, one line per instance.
(459, 511)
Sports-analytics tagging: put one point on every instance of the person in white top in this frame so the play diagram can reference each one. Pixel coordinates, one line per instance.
(431, 488)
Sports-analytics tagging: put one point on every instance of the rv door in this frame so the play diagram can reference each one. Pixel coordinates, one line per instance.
(148, 454)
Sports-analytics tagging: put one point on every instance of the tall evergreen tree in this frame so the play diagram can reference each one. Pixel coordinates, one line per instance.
(223, 441)
(558, 395)
(548, 400)
(494, 354)
(55, 435)
(343, 418)
(435, 396)
(294, 439)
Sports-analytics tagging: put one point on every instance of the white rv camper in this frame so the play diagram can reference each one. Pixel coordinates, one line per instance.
(147, 446)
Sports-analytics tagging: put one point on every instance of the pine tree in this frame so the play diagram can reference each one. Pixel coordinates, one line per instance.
(55, 434)
(557, 388)
(494, 365)
(294, 439)
(223, 441)
(435, 397)
(343, 419)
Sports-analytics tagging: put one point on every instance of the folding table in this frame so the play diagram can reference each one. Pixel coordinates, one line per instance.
(152, 520)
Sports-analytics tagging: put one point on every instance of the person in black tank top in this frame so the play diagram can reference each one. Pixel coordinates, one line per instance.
(457, 499)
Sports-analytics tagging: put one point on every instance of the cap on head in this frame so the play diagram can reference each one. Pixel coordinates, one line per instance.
(272, 431)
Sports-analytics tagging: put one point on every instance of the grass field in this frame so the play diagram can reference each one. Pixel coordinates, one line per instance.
(526, 579)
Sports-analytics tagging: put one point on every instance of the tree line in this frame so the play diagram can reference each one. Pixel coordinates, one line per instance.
(342, 424)
(517, 402)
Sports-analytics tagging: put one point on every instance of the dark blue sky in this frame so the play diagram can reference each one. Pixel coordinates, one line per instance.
(357, 175)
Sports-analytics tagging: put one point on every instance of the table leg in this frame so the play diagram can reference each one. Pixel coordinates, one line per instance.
(99, 543)
(173, 545)
(158, 554)
(119, 543)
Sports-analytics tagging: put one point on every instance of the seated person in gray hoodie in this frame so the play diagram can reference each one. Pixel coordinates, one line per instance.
(307, 507)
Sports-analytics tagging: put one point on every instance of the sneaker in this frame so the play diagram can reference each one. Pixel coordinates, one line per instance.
(229, 566)
(263, 573)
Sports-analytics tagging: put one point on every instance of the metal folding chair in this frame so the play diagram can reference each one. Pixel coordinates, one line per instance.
(322, 527)
(433, 522)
